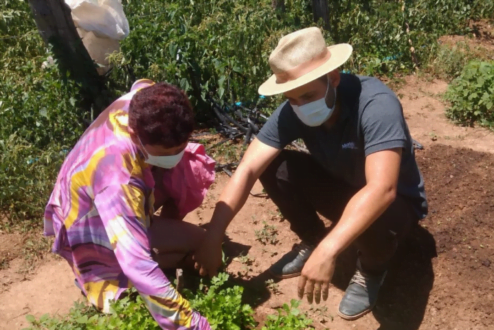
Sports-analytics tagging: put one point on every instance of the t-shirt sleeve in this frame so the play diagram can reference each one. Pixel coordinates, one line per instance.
(383, 125)
(281, 128)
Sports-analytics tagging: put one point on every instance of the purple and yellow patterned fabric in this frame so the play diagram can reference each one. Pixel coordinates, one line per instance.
(100, 211)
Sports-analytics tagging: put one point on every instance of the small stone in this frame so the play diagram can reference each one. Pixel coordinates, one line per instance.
(486, 263)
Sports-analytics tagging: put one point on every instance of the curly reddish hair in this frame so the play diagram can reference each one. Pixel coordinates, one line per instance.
(161, 115)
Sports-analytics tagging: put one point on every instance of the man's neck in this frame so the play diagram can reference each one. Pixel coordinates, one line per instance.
(334, 118)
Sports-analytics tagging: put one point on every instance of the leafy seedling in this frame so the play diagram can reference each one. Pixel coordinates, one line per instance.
(268, 234)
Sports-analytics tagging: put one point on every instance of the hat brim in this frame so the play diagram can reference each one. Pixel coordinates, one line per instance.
(340, 53)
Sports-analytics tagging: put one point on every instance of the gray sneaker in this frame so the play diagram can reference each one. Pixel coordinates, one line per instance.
(292, 263)
(361, 294)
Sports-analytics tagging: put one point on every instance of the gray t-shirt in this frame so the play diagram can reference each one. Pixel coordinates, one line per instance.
(371, 120)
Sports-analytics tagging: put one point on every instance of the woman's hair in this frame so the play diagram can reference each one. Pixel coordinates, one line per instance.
(161, 115)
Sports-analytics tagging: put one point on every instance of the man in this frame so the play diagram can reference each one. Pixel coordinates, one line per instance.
(361, 172)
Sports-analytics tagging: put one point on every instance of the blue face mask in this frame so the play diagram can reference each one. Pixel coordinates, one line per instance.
(317, 112)
(163, 161)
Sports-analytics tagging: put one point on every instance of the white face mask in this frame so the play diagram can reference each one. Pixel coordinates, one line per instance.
(163, 161)
(315, 113)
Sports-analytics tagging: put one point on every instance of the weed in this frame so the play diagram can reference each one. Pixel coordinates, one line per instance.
(245, 259)
(449, 61)
(4, 263)
(268, 234)
(289, 318)
(433, 136)
(273, 286)
(320, 313)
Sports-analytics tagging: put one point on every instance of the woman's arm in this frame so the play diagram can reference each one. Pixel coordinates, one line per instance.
(121, 208)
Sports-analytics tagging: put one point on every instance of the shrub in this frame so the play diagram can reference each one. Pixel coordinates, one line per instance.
(472, 95)
(39, 117)
(449, 61)
(203, 46)
(216, 46)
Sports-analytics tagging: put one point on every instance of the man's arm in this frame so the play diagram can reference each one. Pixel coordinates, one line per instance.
(256, 159)
(381, 170)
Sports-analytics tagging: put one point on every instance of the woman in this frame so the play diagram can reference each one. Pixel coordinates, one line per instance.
(132, 160)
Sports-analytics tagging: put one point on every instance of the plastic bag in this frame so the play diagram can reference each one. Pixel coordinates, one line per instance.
(105, 18)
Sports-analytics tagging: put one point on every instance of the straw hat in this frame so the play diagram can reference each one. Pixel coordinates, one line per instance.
(300, 58)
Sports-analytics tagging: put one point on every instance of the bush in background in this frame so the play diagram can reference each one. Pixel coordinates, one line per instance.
(217, 46)
(223, 47)
(472, 95)
(449, 61)
(39, 117)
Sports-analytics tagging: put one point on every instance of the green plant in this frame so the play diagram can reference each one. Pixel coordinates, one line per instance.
(128, 313)
(288, 318)
(273, 286)
(222, 47)
(268, 234)
(219, 47)
(449, 61)
(472, 95)
(245, 259)
(221, 305)
(39, 117)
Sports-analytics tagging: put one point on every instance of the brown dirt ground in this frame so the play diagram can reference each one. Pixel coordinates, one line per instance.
(481, 42)
(442, 276)
(440, 279)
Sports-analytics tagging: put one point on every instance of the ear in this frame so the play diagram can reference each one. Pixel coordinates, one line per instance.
(334, 77)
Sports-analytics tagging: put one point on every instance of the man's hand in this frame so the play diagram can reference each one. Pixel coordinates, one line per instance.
(208, 256)
(316, 275)
(257, 157)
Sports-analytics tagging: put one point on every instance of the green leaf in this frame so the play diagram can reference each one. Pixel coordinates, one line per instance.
(82, 319)
(31, 319)
(43, 112)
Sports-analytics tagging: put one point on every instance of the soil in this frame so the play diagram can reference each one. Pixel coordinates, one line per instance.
(441, 278)
(51, 291)
(480, 42)
(424, 110)
(10, 249)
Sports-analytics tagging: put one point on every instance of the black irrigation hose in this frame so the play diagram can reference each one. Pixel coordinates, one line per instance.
(417, 145)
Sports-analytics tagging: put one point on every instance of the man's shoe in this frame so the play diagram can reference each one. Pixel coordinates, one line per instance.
(291, 264)
(361, 294)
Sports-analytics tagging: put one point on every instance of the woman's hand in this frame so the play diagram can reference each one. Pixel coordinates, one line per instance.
(207, 257)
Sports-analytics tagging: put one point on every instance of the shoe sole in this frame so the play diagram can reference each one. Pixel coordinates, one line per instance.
(283, 277)
(354, 317)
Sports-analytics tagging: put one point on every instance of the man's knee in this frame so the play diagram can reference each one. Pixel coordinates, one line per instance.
(286, 166)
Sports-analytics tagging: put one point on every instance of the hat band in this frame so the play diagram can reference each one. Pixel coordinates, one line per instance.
(304, 68)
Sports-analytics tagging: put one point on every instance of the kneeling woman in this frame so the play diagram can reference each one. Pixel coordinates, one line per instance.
(132, 160)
